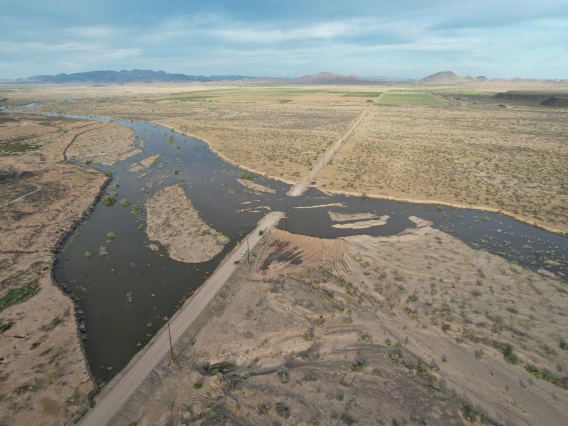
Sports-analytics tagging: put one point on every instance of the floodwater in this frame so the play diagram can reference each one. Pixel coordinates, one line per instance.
(126, 297)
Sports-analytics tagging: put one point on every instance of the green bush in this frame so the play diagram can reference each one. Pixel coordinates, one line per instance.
(108, 201)
(512, 358)
(18, 294)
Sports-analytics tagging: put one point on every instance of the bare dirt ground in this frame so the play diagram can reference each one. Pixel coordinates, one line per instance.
(173, 222)
(363, 330)
(508, 159)
(43, 374)
(109, 147)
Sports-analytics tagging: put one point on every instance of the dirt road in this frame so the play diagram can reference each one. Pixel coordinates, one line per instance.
(304, 182)
(158, 350)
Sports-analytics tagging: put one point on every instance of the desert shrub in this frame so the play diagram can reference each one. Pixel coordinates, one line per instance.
(549, 377)
(358, 366)
(282, 410)
(18, 294)
(5, 327)
(512, 358)
(197, 385)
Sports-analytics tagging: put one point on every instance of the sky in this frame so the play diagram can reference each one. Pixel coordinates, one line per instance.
(291, 38)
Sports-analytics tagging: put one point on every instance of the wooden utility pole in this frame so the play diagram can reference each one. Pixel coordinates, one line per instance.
(286, 217)
(171, 346)
(248, 251)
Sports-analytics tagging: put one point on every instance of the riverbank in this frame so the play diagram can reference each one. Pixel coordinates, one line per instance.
(45, 377)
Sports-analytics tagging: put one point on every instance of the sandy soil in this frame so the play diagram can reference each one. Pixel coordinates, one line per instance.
(255, 186)
(362, 224)
(505, 159)
(43, 375)
(346, 217)
(144, 164)
(108, 144)
(173, 222)
(352, 331)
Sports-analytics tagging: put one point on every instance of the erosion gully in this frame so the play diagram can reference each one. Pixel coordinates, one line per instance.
(124, 298)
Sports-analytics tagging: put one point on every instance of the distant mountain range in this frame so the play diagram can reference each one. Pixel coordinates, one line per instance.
(449, 77)
(149, 76)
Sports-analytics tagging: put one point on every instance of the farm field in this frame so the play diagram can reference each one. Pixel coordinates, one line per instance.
(408, 97)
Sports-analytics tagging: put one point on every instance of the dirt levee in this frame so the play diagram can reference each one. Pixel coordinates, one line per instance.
(173, 222)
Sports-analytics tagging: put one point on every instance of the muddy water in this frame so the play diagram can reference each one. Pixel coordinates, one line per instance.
(126, 297)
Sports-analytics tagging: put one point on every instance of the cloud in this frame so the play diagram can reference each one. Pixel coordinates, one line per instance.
(402, 38)
(92, 31)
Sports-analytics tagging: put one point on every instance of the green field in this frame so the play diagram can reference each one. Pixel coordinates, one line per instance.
(189, 98)
(465, 92)
(362, 94)
(408, 97)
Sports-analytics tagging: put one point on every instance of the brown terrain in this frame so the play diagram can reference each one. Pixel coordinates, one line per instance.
(475, 151)
(417, 328)
(510, 160)
(115, 144)
(43, 374)
(173, 222)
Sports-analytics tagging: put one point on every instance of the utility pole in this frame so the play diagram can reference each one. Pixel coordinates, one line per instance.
(286, 212)
(248, 251)
(171, 346)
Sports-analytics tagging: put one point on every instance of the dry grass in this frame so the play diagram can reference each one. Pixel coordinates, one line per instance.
(508, 159)
(281, 140)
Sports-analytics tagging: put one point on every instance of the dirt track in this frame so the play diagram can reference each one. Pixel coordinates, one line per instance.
(127, 382)
(300, 187)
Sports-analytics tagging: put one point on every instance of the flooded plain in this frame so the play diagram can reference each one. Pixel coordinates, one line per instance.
(125, 297)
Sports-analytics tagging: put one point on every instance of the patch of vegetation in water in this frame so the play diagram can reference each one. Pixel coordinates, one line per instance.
(108, 201)
(15, 145)
(247, 176)
(18, 294)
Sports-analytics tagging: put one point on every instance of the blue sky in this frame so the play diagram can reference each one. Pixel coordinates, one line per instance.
(403, 38)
